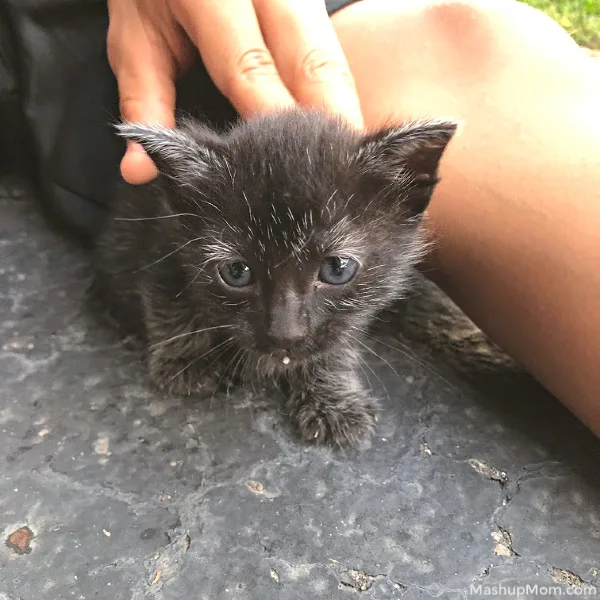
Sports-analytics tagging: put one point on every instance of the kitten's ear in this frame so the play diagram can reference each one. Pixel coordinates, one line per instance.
(405, 160)
(189, 151)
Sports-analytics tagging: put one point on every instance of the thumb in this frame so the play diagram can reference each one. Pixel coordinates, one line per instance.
(146, 95)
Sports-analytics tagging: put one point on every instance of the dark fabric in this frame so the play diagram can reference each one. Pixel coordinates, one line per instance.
(58, 99)
(12, 131)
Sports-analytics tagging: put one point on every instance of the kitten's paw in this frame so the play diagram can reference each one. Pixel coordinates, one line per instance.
(177, 377)
(329, 425)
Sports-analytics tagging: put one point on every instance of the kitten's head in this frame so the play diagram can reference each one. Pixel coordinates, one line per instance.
(296, 228)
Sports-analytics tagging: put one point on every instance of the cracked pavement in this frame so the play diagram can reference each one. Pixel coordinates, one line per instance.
(476, 475)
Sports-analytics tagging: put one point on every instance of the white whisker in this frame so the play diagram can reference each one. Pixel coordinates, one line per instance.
(405, 351)
(188, 333)
(362, 359)
(375, 353)
(186, 214)
(169, 254)
(197, 358)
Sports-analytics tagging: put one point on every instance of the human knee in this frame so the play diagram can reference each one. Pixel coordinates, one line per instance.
(471, 41)
(483, 25)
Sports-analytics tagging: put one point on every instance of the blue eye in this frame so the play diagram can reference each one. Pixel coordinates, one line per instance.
(236, 273)
(337, 270)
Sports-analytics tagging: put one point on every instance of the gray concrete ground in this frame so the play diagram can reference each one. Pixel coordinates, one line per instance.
(477, 481)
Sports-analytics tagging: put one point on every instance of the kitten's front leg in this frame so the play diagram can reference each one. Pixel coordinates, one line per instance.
(180, 374)
(329, 403)
(180, 352)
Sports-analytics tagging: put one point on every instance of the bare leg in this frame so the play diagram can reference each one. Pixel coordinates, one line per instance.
(517, 214)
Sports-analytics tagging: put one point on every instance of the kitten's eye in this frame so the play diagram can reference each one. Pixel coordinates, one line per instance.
(236, 273)
(337, 270)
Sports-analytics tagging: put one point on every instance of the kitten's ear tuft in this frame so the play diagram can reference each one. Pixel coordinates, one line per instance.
(406, 159)
(175, 152)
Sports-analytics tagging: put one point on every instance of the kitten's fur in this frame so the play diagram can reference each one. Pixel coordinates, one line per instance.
(279, 194)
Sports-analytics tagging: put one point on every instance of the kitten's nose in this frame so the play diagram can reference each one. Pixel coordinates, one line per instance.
(287, 325)
(286, 336)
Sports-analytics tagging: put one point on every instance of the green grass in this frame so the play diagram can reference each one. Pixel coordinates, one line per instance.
(581, 18)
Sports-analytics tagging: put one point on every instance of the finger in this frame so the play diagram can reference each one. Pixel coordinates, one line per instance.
(228, 36)
(145, 72)
(309, 55)
(147, 95)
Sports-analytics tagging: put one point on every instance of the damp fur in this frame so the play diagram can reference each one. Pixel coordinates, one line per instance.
(284, 195)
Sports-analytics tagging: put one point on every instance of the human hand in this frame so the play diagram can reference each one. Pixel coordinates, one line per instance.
(261, 54)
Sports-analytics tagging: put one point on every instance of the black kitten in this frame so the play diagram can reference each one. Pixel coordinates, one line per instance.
(267, 251)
